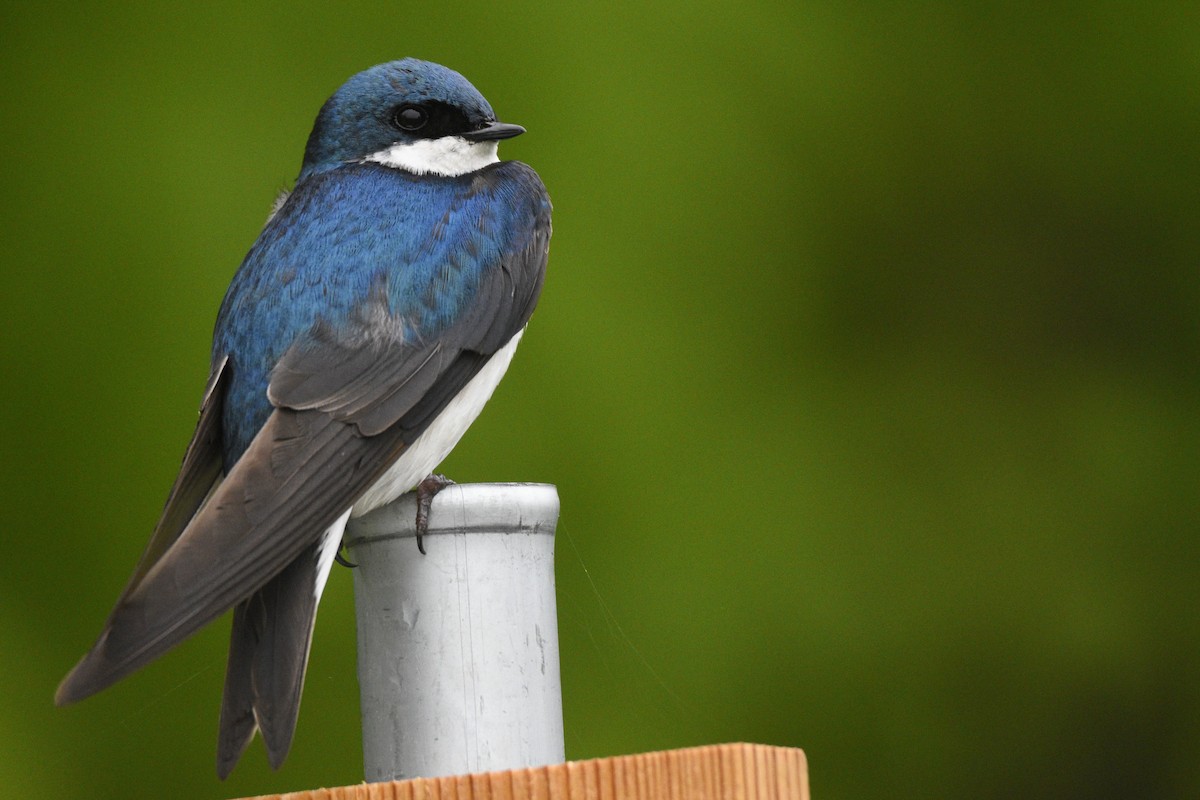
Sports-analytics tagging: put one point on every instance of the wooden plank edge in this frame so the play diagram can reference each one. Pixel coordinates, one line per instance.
(736, 771)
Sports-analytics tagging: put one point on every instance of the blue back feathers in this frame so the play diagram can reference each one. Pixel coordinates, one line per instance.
(347, 241)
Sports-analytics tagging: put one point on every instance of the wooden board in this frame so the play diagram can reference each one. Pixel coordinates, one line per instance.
(713, 772)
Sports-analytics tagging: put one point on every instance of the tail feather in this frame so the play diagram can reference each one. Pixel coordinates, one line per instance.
(268, 656)
(237, 725)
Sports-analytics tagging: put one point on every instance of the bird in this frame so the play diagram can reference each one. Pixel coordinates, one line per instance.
(362, 334)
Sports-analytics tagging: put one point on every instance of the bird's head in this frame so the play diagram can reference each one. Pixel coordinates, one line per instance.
(408, 114)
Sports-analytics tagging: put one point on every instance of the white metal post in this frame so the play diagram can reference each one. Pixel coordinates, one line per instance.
(458, 648)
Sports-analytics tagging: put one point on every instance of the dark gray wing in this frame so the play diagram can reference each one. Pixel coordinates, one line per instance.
(299, 474)
(200, 470)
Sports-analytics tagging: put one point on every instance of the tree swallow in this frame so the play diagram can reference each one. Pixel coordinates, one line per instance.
(361, 336)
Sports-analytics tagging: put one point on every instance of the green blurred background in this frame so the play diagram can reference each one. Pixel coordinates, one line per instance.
(867, 369)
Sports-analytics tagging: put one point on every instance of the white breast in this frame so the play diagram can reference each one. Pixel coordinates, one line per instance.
(432, 446)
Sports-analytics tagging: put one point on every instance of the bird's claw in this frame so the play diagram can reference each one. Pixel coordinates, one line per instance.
(341, 559)
(426, 491)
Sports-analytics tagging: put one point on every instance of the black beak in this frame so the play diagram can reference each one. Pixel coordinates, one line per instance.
(495, 131)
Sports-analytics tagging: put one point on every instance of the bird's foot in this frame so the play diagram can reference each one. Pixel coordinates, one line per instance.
(426, 491)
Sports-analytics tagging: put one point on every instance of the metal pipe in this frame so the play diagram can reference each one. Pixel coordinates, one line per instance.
(458, 648)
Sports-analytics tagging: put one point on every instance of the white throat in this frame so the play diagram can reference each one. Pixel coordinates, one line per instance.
(449, 156)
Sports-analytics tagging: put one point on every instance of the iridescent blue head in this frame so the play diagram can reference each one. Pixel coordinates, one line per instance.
(408, 114)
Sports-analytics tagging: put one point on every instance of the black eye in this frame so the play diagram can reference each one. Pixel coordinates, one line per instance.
(410, 118)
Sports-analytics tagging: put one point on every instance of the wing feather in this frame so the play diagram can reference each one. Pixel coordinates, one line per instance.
(200, 470)
(266, 512)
